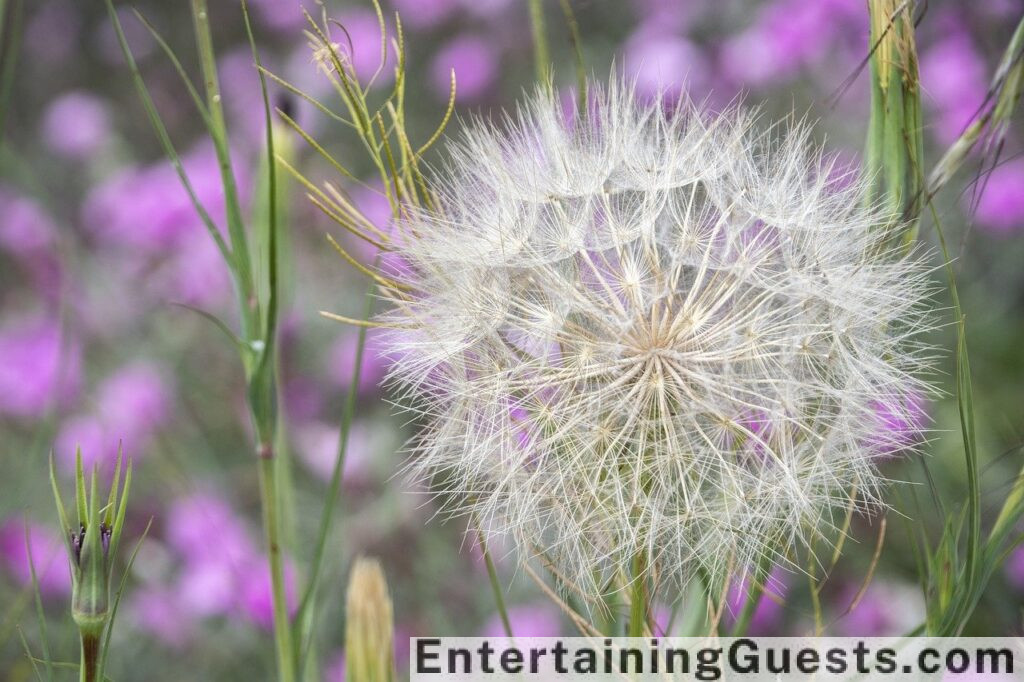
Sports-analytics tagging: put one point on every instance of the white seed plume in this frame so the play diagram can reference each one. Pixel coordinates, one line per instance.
(634, 332)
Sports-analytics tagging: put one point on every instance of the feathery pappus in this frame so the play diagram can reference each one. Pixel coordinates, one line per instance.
(636, 331)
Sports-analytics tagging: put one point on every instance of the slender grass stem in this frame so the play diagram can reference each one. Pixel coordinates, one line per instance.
(492, 575)
(541, 54)
(639, 596)
(271, 527)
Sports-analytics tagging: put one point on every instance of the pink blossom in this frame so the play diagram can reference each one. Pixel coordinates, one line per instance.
(88, 434)
(424, 14)
(342, 356)
(665, 63)
(361, 44)
(38, 366)
(158, 610)
(317, 446)
(48, 557)
(539, 619)
(256, 598)
(1001, 207)
(76, 124)
(475, 61)
(769, 611)
(885, 609)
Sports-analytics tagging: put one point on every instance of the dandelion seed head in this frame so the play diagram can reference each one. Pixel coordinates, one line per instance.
(631, 331)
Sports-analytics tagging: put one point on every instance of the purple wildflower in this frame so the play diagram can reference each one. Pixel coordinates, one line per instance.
(540, 619)
(37, 368)
(475, 61)
(76, 124)
(1000, 210)
(48, 557)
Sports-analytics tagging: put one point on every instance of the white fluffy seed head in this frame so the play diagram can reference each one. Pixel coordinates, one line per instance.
(633, 331)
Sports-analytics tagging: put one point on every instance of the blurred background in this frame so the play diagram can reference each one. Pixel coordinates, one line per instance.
(98, 242)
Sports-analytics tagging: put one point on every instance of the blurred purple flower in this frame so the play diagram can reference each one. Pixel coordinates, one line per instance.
(540, 619)
(302, 399)
(360, 42)
(240, 87)
(954, 80)
(769, 612)
(317, 446)
(147, 208)
(1014, 569)
(88, 433)
(376, 208)
(475, 60)
(899, 422)
(134, 402)
(209, 588)
(257, 601)
(52, 31)
(280, 15)
(38, 367)
(158, 611)
(341, 361)
(140, 40)
(195, 274)
(76, 124)
(1000, 210)
(424, 14)
(223, 572)
(488, 9)
(665, 63)
(671, 15)
(952, 70)
(48, 557)
(788, 35)
(203, 528)
(885, 609)
(28, 234)
(26, 230)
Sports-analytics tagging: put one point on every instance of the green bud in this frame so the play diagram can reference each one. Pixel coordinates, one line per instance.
(92, 536)
(893, 158)
(369, 655)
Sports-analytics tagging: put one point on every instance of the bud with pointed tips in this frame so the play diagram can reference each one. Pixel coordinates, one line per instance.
(92, 538)
(369, 653)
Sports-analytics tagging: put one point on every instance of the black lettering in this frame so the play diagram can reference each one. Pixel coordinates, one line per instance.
(423, 656)
(512, 660)
(750, 663)
(807, 661)
(836, 661)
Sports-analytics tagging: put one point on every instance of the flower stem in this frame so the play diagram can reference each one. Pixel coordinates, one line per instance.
(271, 526)
(639, 597)
(88, 670)
(541, 57)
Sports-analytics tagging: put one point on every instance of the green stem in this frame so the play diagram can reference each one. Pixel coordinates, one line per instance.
(271, 525)
(639, 597)
(88, 670)
(541, 56)
(492, 574)
(240, 257)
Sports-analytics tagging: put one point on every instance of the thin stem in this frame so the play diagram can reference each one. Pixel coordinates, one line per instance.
(271, 526)
(492, 574)
(240, 257)
(88, 670)
(638, 597)
(541, 55)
